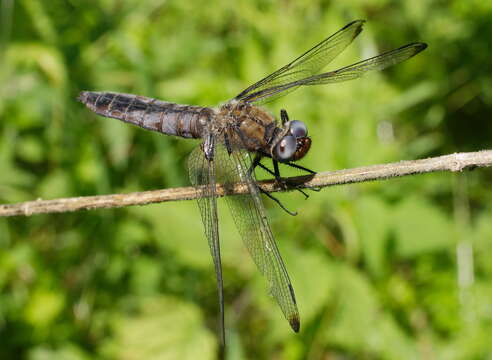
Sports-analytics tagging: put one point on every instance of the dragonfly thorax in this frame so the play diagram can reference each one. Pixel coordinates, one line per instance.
(252, 128)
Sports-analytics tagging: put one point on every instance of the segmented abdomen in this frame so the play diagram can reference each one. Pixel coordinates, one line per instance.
(151, 114)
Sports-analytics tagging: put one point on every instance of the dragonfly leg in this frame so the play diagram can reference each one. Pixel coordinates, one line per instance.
(256, 162)
(227, 144)
(279, 179)
(279, 203)
(285, 182)
(303, 169)
(283, 116)
(294, 165)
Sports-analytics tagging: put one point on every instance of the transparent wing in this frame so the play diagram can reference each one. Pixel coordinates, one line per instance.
(202, 175)
(249, 216)
(346, 73)
(308, 64)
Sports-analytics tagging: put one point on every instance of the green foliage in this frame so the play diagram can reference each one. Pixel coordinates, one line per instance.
(398, 269)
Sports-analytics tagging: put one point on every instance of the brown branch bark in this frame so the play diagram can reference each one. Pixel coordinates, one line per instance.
(453, 162)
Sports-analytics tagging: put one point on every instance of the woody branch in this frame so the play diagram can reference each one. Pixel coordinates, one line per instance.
(452, 162)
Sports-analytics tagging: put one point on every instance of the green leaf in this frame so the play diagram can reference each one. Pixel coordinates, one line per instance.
(358, 322)
(43, 307)
(164, 328)
(66, 352)
(420, 227)
(373, 218)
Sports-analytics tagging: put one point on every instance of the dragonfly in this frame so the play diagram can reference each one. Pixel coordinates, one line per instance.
(236, 137)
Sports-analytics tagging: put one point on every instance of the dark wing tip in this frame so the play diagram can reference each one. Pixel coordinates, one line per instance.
(359, 21)
(417, 46)
(359, 25)
(295, 324)
(421, 46)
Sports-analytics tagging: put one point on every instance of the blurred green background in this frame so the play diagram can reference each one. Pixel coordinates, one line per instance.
(396, 269)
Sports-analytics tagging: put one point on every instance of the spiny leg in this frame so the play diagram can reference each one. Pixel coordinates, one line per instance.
(299, 167)
(279, 179)
(279, 203)
(283, 116)
(256, 162)
(282, 181)
(296, 166)
(227, 144)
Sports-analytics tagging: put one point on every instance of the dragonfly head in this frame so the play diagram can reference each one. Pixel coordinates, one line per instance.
(292, 143)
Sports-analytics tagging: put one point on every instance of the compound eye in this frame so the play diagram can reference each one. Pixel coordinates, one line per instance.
(286, 148)
(298, 129)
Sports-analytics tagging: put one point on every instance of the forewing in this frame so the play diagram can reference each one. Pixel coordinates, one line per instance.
(358, 69)
(306, 65)
(350, 72)
(202, 174)
(250, 219)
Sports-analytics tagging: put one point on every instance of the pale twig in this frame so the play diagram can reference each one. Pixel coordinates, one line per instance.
(452, 162)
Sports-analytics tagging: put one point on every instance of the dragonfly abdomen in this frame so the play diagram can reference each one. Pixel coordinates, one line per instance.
(172, 119)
